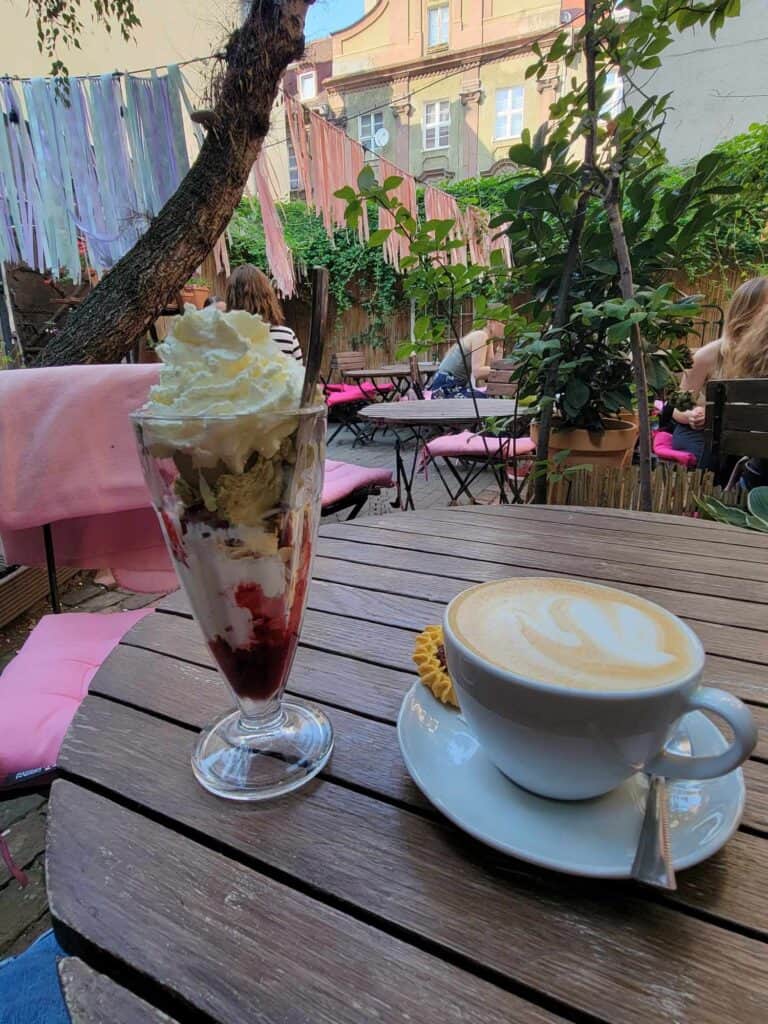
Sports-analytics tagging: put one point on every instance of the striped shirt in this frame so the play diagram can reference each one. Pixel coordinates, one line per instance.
(286, 341)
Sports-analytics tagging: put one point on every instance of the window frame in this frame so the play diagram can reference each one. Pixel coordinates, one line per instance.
(372, 115)
(615, 102)
(438, 10)
(312, 74)
(509, 113)
(437, 126)
(293, 170)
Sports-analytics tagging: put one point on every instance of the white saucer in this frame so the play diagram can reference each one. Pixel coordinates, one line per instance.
(587, 837)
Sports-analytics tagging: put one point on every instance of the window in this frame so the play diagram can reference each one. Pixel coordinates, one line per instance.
(294, 182)
(307, 85)
(614, 95)
(369, 125)
(437, 25)
(437, 124)
(509, 112)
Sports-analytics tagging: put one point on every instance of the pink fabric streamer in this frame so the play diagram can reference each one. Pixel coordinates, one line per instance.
(278, 254)
(476, 226)
(499, 240)
(439, 205)
(295, 113)
(397, 247)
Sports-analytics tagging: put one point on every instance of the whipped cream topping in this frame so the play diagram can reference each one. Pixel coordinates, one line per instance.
(574, 634)
(224, 390)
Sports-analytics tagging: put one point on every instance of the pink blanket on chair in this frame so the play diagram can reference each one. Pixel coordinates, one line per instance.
(68, 457)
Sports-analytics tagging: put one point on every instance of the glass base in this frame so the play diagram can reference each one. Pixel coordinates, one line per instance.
(239, 763)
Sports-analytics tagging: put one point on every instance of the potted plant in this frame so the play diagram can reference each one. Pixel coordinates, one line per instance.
(195, 291)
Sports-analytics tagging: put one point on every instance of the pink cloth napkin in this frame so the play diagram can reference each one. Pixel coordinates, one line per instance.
(68, 457)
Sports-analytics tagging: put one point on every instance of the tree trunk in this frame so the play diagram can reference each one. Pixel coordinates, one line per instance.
(563, 306)
(130, 297)
(627, 285)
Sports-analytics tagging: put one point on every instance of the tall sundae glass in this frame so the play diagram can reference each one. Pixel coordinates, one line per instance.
(234, 465)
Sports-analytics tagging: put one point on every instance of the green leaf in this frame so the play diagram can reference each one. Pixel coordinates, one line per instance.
(576, 396)
(608, 267)
(392, 182)
(757, 502)
(379, 237)
(619, 331)
(347, 193)
(761, 525)
(366, 179)
(523, 155)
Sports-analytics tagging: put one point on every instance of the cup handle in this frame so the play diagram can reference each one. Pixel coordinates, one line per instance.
(732, 711)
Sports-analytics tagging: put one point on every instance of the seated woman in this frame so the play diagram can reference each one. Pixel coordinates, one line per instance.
(742, 351)
(467, 362)
(248, 288)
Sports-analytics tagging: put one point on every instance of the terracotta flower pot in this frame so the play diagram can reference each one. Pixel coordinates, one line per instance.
(611, 447)
(196, 294)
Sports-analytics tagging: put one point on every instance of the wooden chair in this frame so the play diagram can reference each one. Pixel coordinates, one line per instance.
(499, 384)
(342, 362)
(737, 420)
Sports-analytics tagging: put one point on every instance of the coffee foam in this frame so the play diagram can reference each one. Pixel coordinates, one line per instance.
(573, 634)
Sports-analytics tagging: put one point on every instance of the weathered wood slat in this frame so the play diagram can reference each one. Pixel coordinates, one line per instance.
(433, 555)
(406, 582)
(580, 528)
(625, 523)
(327, 625)
(162, 684)
(467, 533)
(234, 944)
(93, 998)
(562, 936)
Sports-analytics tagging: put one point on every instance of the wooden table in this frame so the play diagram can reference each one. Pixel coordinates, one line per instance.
(353, 900)
(398, 375)
(427, 416)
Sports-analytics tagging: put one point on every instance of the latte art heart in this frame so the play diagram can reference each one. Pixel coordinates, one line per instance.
(573, 634)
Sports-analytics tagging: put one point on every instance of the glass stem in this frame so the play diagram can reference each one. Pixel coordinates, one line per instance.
(261, 715)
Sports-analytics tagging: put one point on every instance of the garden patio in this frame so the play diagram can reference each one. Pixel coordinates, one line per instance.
(383, 560)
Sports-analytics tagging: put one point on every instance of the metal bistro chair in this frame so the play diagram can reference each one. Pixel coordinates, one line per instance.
(736, 423)
(466, 456)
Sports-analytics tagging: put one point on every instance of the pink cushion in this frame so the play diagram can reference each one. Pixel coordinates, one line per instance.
(662, 446)
(345, 395)
(343, 479)
(41, 689)
(454, 446)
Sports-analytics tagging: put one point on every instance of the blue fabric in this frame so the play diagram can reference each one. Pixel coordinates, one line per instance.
(29, 985)
(686, 439)
(445, 385)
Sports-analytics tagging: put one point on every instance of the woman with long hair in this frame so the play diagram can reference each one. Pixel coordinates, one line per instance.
(468, 362)
(249, 288)
(742, 351)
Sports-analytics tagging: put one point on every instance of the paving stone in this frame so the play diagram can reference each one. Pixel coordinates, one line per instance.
(101, 602)
(26, 840)
(76, 595)
(134, 601)
(14, 808)
(21, 908)
(27, 937)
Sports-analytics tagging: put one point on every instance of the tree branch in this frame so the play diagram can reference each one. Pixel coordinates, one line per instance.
(130, 297)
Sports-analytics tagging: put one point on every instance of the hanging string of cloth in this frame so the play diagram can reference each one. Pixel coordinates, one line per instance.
(327, 158)
(85, 177)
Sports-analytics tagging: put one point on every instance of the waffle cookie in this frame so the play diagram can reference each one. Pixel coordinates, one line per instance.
(429, 656)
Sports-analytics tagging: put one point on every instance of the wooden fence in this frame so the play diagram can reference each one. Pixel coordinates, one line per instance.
(674, 489)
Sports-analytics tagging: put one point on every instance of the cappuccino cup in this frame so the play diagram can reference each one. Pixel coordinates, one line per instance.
(572, 687)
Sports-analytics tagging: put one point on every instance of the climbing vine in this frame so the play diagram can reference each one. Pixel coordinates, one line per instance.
(357, 274)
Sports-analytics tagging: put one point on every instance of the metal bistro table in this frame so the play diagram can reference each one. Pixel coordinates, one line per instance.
(426, 416)
(398, 375)
(354, 900)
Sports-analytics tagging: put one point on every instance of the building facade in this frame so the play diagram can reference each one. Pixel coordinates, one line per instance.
(438, 86)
